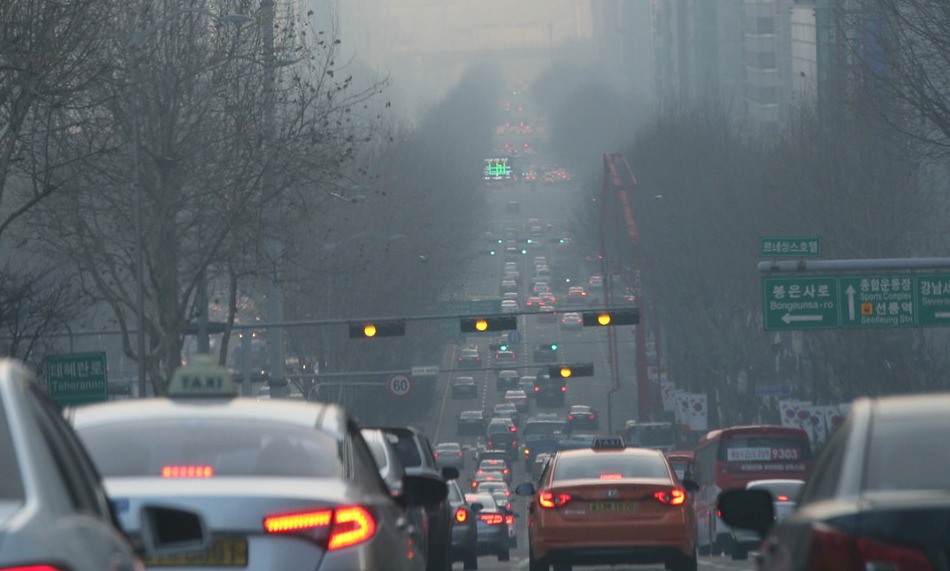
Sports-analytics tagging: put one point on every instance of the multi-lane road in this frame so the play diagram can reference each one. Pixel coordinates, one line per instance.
(554, 206)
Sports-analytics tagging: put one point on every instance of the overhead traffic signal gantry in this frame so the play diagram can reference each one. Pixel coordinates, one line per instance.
(488, 323)
(379, 328)
(571, 370)
(611, 317)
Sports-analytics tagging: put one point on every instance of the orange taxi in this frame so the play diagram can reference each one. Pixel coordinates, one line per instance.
(609, 504)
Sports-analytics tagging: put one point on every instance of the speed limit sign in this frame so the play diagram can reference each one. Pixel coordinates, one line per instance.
(399, 384)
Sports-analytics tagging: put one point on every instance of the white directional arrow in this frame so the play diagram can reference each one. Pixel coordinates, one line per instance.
(789, 318)
(850, 291)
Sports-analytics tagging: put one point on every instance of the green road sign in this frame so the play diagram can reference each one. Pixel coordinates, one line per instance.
(77, 378)
(877, 301)
(484, 306)
(857, 301)
(790, 246)
(800, 303)
(933, 299)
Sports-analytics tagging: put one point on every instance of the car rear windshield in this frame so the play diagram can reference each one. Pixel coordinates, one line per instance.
(606, 463)
(544, 428)
(909, 454)
(11, 483)
(230, 447)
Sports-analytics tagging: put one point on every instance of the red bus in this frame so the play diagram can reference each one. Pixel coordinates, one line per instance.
(730, 458)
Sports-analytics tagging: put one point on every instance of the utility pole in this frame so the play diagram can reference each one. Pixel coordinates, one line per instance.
(275, 335)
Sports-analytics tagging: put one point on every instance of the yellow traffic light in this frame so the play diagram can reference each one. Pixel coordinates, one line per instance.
(603, 319)
(565, 372)
(373, 329)
(481, 325)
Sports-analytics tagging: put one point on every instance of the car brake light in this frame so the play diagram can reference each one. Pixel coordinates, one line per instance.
(611, 476)
(187, 471)
(505, 471)
(492, 519)
(570, 417)
(342, 527)
(552, 500)
(537, 389)
(460, 454)
(563, 389)
(510, 519)
(513, 429)
(489, 444)
(474, 484)
(435, 454)
(782, 498)
(33, 568)
(832, 549)
(672, 497)
(461, 515)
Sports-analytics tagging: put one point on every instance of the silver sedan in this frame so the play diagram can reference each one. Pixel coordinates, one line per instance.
(279, 484)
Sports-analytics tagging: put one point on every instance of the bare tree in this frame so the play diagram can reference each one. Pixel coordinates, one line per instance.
(221, 130)
(903, 47)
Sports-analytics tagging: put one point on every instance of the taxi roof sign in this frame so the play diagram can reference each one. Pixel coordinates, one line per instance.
(201, 378)
(608, 443)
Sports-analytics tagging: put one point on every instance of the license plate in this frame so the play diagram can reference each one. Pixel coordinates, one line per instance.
(609, 507)
(221, 553)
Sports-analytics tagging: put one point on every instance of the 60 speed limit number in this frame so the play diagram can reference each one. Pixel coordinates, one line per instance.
(399, 385)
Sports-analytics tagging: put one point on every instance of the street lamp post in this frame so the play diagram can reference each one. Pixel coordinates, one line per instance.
(136, 39)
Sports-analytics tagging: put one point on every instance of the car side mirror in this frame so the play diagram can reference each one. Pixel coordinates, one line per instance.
(747, 509)
(477, 507)
(423, 490)
(450, 473)
(170, 531)
(690, 485)
(525, 489)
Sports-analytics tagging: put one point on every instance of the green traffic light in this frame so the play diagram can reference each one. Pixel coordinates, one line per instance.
(491, 252)
(554, 346)
(524, 251)
(500, 240)
(530, 241)
(503, 348)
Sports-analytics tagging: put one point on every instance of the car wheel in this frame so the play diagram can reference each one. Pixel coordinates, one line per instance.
(740, 552)
(441, 560)
(537, 564)
(715, 547)
(470, 562)
(504, 555)
(683, 563)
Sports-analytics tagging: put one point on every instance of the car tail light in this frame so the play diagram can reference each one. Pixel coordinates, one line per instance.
(33, 568)
(342, 527)
(505, 471)
(461, 515)
(510, 519)
(187, 471)
(781, 498)
(513, 429)
(460, 454)
(552, 500)
(590, 417)
(612, 477)
(832, 549)
(570, 417)
(674, 497)
(489, 445)
(492, 519)
(474, 484)
(435, 454)
(563, 389)
(537, 389)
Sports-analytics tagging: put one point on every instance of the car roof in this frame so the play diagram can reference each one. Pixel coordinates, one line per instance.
(324, 416)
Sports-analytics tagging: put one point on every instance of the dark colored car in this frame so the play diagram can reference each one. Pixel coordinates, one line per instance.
(507, 380)
(414, 449)
(464, 527)
(503, 435)
(545, 353)
(492, 527)
(472, 422)
(464, 387)
(469, 357)
(582, 418)
(878, 496)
